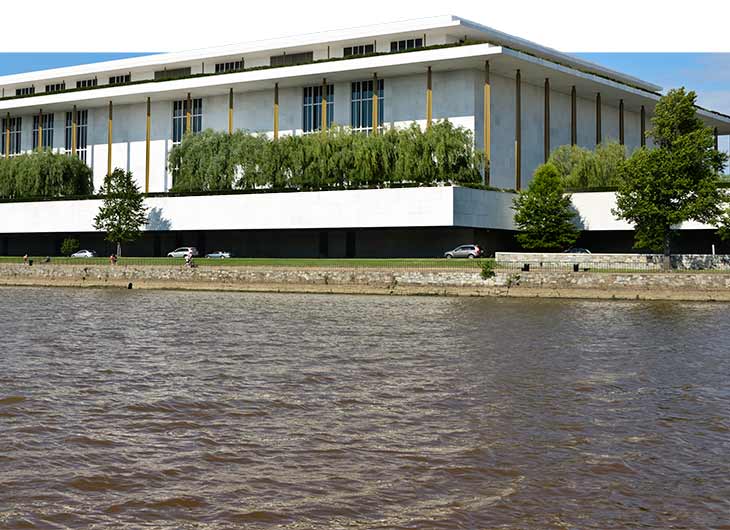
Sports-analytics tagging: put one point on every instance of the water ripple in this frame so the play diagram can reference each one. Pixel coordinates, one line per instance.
(168, 410)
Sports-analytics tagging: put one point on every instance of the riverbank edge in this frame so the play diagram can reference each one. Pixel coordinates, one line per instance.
(582, 285)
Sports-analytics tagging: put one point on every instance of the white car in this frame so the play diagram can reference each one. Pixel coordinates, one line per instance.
(219, 254)
(182, 252)
(84, 254)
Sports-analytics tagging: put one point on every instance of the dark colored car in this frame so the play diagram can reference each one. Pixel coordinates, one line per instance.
(464, 251)
(577, 251)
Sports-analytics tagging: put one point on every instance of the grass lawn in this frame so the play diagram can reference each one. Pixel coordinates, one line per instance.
(417, 263)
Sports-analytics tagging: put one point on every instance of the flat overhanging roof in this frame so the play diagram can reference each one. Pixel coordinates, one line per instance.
(503, 61)
(449, 25)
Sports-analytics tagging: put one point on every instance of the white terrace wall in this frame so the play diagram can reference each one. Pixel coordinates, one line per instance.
(457, 96)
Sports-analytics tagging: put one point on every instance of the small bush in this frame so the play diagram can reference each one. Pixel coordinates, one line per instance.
(487, 270)
(69, 246)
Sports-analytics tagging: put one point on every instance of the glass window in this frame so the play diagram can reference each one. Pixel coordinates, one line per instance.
(179, 118)
(82, 120)
(56, 87)
(46, 133)
(233, 66)
(15, 126)
(25, 91)
(312, 107)
(291, 59)
(86, 83)
(406, 44)
(120, 79)
(361, 116)
(362, 49)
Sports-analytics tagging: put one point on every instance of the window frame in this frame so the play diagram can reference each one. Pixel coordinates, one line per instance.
(82, 133)
(179, 118)
(402, 45)
(361, 105)
(312, 108)
(16, 135)
(46, 134)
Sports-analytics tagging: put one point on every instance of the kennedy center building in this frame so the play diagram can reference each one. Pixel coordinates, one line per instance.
(521, 101)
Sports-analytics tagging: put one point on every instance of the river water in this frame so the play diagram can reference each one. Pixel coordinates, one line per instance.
(160, 409)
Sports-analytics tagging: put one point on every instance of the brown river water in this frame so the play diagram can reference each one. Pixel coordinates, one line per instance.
(195, 410)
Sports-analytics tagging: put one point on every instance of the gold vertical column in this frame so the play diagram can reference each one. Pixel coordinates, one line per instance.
(7, 136)
(230, 111)
(276, 111)
(40, 130)
(621, 138)
(573, 116)
(546, 126)
(518, 131)
(429, 99)
(109, 141)
(188, 115)
(487, 122)
(643, 126)
(599, 135)
(375, 104)
(147, 148)
(73, 131)
(323, 126)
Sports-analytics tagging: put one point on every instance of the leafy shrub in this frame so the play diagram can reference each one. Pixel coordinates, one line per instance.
(44, 174)
(487, 269)
(335, 159)
(69, 246)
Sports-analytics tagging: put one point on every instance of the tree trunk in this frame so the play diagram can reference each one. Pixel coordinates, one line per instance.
(667, 258)
(119, 249)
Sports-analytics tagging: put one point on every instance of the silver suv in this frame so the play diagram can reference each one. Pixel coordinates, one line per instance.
(464, 251)
(182, 252)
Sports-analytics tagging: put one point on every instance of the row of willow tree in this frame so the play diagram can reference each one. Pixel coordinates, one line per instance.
(44, 174)
(335, 159)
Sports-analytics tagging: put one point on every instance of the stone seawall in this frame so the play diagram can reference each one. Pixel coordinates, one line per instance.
(554, 284)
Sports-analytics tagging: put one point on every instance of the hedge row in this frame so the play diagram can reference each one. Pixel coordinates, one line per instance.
(336, 159)
(44, 174)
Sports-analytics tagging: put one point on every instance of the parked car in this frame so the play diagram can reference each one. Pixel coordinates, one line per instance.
(464, 251)
(577, 251)
(182, 252)
(84, 254)
(219, 254)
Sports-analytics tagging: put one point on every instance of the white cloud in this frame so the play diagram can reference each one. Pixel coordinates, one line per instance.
(166, 25)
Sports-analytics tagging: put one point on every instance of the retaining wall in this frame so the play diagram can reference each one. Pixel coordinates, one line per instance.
(607, 261)
(556, 284)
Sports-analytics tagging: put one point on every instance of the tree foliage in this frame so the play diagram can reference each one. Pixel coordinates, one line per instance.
(544, 214)
(675, 182)
(581, 168)
(44, 174)
(335, 159)
(122, 213)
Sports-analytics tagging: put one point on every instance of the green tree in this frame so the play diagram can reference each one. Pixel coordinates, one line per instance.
(122, 213)
(544, 214)
(675, 182)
